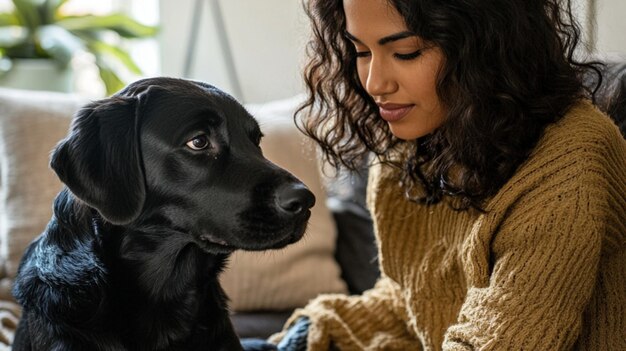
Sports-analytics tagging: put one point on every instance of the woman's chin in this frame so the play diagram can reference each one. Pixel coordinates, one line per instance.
(407, 134)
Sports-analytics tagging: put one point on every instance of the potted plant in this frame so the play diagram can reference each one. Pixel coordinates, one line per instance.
(37, 31)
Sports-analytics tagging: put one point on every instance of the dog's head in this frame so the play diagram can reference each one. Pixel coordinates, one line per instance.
(184, 155)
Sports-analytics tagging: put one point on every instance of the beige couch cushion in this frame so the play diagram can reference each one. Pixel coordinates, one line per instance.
(31, 123)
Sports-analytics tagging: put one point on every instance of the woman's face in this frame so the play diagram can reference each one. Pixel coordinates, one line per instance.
(395, 67)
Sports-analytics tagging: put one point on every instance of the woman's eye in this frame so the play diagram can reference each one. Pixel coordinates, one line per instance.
(409, 56)
(199, 142)
(362, 54)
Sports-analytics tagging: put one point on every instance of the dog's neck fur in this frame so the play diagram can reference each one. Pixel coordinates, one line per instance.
(170, 285)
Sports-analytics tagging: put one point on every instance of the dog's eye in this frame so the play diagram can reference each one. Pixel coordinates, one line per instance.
(257, 138)
(199, 142)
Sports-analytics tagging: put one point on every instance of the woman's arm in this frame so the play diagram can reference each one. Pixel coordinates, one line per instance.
(374, 320)
(544, 266)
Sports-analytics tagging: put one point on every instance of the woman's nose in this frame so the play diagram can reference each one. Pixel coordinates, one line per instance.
(379, 79)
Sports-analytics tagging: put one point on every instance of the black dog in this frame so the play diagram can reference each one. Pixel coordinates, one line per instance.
(163, 181)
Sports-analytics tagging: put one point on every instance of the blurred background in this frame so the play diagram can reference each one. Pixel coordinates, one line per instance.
(251, 48)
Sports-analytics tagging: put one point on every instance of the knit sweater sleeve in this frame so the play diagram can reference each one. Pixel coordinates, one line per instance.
(538, 288)
(542, 256)
(374, 320)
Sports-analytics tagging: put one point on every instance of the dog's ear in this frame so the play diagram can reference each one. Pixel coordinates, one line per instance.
(100, 159)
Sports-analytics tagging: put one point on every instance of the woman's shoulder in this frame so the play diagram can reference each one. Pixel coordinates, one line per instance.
(583, 150)
(583, 129)
(576, 174)
(584, 137)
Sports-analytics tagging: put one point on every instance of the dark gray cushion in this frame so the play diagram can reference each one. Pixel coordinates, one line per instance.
(259, 324)
(356, 250)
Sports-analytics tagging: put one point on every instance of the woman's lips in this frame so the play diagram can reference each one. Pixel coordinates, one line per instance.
(394, 112)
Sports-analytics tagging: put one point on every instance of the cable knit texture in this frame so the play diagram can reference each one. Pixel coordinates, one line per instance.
(542, 269)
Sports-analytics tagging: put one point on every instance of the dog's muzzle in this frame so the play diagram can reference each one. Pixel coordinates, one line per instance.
(293, 199)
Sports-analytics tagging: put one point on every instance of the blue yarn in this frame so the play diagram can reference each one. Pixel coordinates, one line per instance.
(295, 339)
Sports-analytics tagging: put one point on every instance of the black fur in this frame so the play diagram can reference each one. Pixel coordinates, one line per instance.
(131, 257)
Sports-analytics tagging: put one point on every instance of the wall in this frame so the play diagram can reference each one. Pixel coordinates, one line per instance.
(268, 38)
(611, 26)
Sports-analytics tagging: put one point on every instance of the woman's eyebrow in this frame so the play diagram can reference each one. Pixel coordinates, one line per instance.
(382, 41)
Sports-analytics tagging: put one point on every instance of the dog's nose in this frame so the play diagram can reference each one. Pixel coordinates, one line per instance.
(294, 198)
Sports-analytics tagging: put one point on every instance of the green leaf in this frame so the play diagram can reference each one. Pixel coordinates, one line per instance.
(9, 19)
(27, 12)
(47, 11)
(59, 43)
(103, 49)
(37, 29)
(12, 35)
(54, 5)
(25, 50)
(119, 23)
(111, 80)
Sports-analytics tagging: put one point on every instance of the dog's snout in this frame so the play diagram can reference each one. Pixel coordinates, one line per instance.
(294, 198)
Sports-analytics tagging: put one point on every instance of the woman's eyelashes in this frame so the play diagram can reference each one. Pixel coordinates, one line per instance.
(410, 56)
(404, 57)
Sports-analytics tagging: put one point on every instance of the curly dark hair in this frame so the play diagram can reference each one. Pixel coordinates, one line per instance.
(509, 71)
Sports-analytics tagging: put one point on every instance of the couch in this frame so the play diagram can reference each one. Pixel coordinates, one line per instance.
(338, 253)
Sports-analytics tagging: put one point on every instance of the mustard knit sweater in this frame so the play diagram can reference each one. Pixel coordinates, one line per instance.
(543, 269)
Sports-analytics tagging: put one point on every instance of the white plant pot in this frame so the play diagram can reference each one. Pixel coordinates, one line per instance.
(38, 74)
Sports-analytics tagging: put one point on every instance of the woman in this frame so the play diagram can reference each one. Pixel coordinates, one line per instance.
(499, 190)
